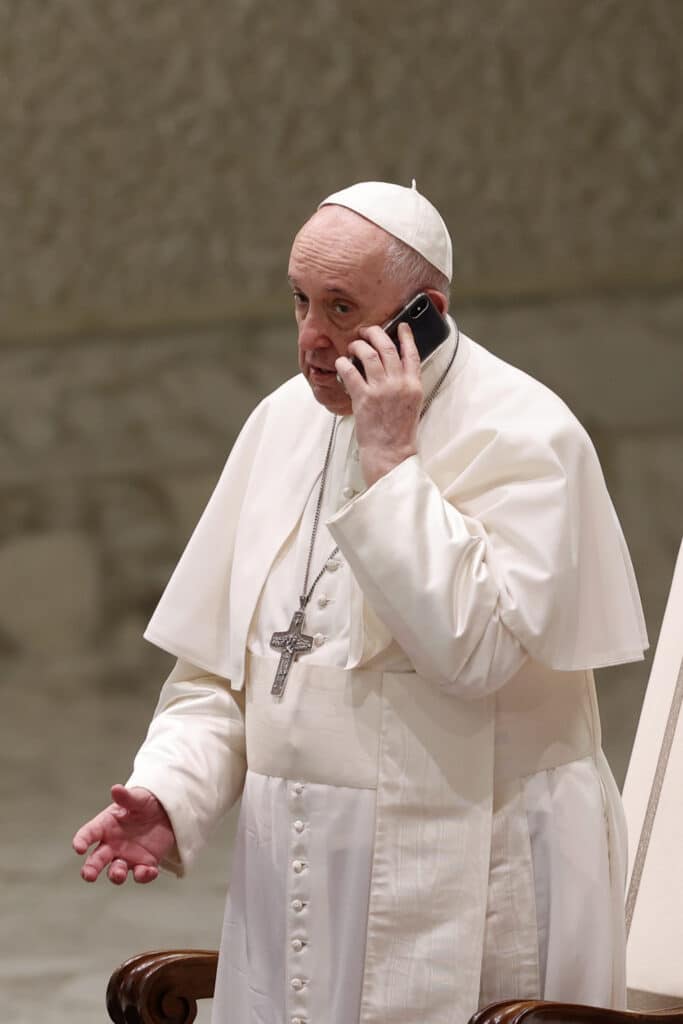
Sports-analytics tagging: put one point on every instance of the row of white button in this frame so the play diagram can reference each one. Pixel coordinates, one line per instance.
(297, 943)
(332, 564)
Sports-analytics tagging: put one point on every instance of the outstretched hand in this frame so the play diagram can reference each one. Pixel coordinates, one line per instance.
(132, 834)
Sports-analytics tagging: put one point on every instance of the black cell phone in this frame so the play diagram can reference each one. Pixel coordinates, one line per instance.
(429, 327)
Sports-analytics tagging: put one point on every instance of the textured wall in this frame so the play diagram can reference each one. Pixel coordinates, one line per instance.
(157, 156)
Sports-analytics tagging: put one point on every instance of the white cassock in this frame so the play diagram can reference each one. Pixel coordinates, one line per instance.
(428, 822)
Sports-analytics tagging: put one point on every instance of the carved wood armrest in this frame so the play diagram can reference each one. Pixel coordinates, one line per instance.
(161, 987)
(536, 1012)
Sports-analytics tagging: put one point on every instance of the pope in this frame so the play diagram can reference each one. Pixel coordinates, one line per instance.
(386, 624)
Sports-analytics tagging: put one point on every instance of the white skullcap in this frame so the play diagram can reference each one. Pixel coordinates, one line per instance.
(405, 214)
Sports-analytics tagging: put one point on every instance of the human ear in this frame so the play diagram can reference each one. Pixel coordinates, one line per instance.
(439, 299)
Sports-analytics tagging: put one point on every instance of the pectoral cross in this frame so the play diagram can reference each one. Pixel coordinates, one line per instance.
(292, 644)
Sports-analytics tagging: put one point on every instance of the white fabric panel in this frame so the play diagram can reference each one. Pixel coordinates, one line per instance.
(569, 840)
(550, 916)
(326, 728)
(260, 952)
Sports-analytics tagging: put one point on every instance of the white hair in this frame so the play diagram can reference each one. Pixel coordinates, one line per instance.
(406, 265)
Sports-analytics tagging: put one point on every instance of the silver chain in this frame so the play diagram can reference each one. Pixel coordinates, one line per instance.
(308, 591)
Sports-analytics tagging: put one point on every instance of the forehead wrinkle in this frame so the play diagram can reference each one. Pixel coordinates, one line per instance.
(348, 233)
(338, 264)
(344, 249)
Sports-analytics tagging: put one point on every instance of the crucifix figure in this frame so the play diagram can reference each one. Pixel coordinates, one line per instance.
(292, 644)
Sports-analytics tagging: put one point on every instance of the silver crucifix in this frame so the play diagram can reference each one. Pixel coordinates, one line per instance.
(292, 644)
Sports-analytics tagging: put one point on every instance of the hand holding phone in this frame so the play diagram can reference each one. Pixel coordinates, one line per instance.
(429, 327)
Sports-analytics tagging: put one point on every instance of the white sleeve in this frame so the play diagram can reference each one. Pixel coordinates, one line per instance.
(427, 572)
(194, 756)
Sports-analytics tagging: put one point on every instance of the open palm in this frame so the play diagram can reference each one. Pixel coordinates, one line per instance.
(132, 834)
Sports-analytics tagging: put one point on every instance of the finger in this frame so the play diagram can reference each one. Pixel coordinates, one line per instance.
(127, 800)
(96, 862)
(410, 357)
(384, 345)
(371, 359)
(118, 871)
(144, 873)
(88, 834)
(351, 378)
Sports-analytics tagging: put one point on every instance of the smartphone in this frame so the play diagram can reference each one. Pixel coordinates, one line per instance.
(429, 327)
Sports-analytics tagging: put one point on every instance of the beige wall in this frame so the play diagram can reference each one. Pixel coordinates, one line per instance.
(158, 154)
(155, 159)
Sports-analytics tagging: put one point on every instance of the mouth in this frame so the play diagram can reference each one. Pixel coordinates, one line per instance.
(319, 373)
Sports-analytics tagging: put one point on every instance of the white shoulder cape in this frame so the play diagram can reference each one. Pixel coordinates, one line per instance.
(504, 452)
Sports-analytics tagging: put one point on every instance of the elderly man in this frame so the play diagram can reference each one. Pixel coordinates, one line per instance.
(427, 820)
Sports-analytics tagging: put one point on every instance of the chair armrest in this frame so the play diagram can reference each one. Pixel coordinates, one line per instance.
(161, 987)
(536, 1012)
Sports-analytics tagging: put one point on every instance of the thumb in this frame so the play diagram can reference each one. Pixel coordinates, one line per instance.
(129, 799)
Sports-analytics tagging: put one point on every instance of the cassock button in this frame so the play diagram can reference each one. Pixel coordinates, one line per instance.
(297, 945)
(298, 788)
(297, 984)
(332, 564)
(348, 493)
(319, 639)
(297, 905)
(298, 826)
(298, 866)
(323, 601)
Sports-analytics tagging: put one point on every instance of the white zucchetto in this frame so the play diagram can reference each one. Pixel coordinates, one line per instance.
(403, 213)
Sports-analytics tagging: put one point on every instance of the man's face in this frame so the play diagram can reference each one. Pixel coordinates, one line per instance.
(337, 276)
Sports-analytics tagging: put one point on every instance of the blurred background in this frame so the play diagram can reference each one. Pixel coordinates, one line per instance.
(156, 158)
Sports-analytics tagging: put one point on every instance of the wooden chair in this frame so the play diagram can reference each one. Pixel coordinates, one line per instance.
(163, 988)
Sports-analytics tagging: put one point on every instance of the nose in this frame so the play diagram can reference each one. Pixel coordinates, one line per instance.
(313, 333)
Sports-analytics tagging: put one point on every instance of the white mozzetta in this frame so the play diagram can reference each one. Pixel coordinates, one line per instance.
(514, 469)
